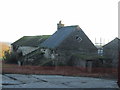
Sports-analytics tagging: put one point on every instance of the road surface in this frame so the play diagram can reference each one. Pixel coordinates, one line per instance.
(54, 81)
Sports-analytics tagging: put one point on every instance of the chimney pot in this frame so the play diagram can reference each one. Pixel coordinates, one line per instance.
(60, 25)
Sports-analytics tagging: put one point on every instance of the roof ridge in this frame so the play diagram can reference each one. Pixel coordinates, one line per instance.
(111, 41)
(72, 26)
(35, 36)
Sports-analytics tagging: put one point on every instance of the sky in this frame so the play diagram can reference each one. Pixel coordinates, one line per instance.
(97, 18)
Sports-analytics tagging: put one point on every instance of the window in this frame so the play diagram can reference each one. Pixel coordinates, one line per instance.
(100, 52)
(79, 39)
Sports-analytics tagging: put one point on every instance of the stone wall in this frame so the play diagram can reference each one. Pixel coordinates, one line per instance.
(111, 51)
(78, 42)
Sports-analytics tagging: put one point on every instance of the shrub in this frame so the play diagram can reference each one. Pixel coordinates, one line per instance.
(61, 63)
(10, 57)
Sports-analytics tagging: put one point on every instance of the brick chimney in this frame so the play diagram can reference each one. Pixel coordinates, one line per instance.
(59, 25)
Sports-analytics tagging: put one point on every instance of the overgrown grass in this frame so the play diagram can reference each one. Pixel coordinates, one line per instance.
(59, 70)
(88, 57)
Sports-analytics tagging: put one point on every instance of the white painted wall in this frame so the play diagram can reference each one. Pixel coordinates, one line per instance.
(26, 49)
(48, 53)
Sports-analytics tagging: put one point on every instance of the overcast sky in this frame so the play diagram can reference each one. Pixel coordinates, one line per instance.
(97, 18)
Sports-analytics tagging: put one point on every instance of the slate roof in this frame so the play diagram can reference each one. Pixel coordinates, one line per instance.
(30, 40)
(113, 43)
(60, 35)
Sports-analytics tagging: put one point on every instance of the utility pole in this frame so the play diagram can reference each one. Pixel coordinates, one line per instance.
(100, 41)
(118, 68)
(95, 41)
(104, 42)
(118, 44)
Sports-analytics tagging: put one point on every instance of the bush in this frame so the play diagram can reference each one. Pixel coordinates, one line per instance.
(61, 64)
(49, 64)
(10, 57)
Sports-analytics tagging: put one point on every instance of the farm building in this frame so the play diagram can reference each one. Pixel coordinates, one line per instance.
(28, 44)
(110, 51)
(69, 45)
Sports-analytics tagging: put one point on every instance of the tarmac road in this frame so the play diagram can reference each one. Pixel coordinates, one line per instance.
(54, 81)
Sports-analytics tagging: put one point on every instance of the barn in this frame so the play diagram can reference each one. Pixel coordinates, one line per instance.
(110, 51)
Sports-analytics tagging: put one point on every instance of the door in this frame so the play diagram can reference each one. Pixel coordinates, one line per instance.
(89, 66)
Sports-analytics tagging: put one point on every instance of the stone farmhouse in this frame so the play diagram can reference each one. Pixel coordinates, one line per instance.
(69, 45)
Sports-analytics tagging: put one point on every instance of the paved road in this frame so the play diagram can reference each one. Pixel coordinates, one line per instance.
(54, 81)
